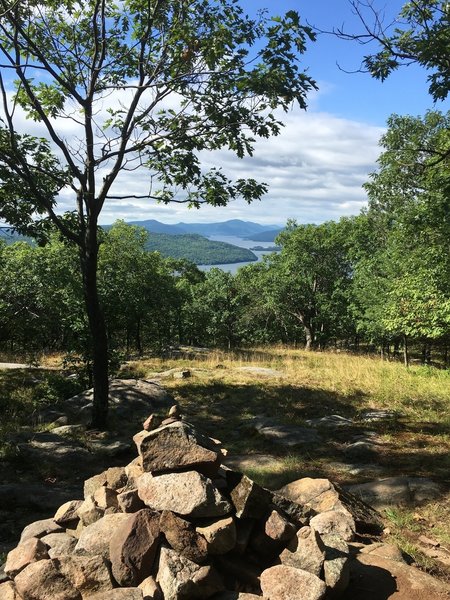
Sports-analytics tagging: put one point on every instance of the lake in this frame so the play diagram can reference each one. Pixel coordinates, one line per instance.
(242, 243)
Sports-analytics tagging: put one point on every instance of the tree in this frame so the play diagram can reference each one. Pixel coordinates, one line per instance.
(135, 287)
(309, 279)
(406, 265)
(145, 85)
(418, 35)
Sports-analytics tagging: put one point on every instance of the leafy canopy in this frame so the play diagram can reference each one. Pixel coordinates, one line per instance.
(139, 85)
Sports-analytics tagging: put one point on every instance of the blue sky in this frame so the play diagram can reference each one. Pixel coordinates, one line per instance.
(316, 167)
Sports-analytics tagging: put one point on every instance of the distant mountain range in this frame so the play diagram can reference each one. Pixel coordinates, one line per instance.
(190, 240)
(233, 227)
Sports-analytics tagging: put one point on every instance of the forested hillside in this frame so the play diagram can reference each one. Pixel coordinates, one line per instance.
(198, 249)
(379, 281)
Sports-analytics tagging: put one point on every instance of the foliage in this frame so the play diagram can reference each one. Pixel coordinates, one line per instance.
(198, 249)
(418, 35)
(403, 272)
(148, 85)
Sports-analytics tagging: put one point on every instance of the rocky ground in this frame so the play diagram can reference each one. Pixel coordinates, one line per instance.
(52, 466)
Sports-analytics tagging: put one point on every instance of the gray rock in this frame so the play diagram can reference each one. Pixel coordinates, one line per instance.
(288, 436)
(334, 522)
(59, 544)
(275, 533)
(178, 446)
(129, 501)
(182, 579)
(377, 415)
(29, 551)
(188, 494)
(67, 513)
(94, 539)
(69, 430)
(150, 589)
(331, 421)
(88, 574)
(89, 512)
(40, 528)
(105, 497)
(43, 581)
(288, 583)
(383, 492)
(114, 478)
(220, 535)
(320, 495)
(8, 591)
(249, 499)
(336, 568)
(305, 551)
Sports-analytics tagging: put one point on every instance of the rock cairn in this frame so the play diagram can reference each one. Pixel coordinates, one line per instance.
(175, 524)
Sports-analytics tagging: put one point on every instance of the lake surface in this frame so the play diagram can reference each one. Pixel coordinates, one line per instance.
(242, 243)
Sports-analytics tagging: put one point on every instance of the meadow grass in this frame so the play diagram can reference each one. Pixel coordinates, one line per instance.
(225, 390)
(220, 396)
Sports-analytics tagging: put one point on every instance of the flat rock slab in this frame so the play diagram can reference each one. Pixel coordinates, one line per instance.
(287, 436)
(396, 490)
(36, 495)
(331, 421)
(130, 400)
(373, 577)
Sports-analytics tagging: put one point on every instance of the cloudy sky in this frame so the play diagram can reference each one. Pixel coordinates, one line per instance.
(315, 168)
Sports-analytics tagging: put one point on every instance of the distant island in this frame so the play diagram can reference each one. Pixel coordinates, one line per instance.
(266, 248)
(198, 249)
(190, 240)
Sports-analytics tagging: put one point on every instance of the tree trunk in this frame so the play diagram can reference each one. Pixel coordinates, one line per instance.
(405, 351)
(138, 337)
(309, 335)
(97, 327)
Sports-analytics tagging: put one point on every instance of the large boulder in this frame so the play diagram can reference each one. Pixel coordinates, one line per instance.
(188, 494)
(133, 547)
(288, 583)
(178, 446)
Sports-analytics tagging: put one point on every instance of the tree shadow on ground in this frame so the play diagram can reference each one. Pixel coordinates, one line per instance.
(224, 411)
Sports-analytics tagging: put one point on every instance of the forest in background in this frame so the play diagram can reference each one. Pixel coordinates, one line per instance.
(379, 281)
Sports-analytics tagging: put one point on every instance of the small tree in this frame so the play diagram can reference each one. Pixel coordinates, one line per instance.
(145, 85)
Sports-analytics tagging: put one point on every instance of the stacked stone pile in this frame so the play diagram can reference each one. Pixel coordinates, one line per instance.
(175, 524)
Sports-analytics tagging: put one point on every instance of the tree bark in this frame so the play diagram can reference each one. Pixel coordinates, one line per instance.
(309, 335)
(97, 327)
(405, 351)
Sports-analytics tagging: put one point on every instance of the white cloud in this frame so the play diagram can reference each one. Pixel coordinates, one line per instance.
(315, 169)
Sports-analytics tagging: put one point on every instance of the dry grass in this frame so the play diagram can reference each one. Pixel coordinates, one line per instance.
(220, 396)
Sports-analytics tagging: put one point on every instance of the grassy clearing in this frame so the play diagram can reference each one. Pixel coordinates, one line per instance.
(220, 396)
(223, 393)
